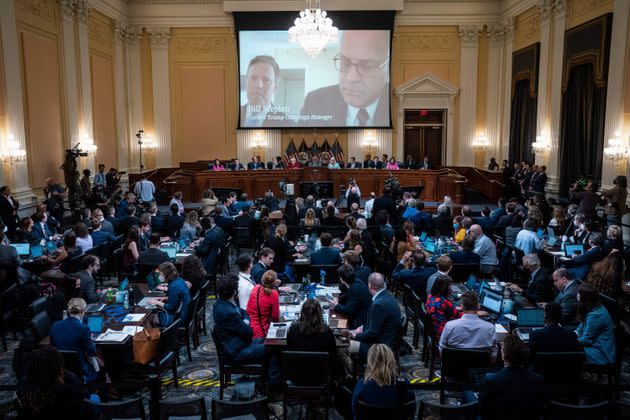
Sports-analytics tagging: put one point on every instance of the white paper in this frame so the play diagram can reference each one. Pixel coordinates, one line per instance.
(111, 335)
(134, 317)
(500, 329)
(131, 330)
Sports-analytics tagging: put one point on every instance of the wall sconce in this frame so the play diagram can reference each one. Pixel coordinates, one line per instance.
(541, 145)
(13, 152)
(481, 142)
(615, 152)
(259, 141)
(148, 144)
(369, 141)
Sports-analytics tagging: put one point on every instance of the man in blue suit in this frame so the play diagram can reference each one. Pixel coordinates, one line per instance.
(421, 220)
(415, 277)
(231, 326)
(208, 250)
(580, 265)
(383, 319)
(357, 299)
(264, 263)
(326, 255)
(40, 228)
(73, 335)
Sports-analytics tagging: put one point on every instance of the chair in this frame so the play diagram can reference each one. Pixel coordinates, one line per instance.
(398, 339)
(40, 326)
(8, 313)
(559, 367)
(38, 305)
(371, 412)
(460, 272)
(130, 409)
(72, 363)
(200, 315)
(412, 311)
(8, 406)
(332, 275)
(185, 407)
(226, 369)
(166, 354)
(306, 378)
(243, 239)
(448, 412)
(188, 331)
(456, 364)
(226, 409)
(598, 410)
(429, 347)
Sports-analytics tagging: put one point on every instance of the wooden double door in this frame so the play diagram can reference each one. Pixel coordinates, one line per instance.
(424, 135)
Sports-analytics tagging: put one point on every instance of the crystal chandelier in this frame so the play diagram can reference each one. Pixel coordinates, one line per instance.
(13, 152)
(540, 145)
(615, 151)
(313, 30)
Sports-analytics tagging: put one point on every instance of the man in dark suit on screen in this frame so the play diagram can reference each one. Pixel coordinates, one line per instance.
(261, 84)
(361, 98)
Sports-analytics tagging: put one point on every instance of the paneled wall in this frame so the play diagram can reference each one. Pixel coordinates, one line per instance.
(204, 95)
(527, 29)
(580, 11)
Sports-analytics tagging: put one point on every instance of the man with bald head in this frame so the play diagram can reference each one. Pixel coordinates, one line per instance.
(484, 247)
(361, 98)
(383, 319)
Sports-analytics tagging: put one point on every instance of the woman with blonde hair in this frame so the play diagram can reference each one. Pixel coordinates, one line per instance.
(380, 386)
(191, 227)
(559, 219)
(310, 222)
(534, 213)
(607, 275)
(263, 306)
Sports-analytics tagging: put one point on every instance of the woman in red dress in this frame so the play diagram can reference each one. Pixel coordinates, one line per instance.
(293, 163)
(263, 306)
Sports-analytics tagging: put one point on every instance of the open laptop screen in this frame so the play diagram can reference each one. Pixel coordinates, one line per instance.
(171, 251)
(95, 323)
(530, 318)
(573, 249)
(492, 302)
(22, 249)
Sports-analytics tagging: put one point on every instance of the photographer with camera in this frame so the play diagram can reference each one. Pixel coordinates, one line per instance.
(55, 195)
(353, 193)
(8, 209)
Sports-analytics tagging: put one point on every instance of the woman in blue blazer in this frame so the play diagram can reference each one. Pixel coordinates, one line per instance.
(176, 293)
(595, 332)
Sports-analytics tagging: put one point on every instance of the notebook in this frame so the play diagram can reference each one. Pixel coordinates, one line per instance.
(22, 249)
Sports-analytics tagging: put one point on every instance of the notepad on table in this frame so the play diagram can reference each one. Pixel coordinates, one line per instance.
(134, 317)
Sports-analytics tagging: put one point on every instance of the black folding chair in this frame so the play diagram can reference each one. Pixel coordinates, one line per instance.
(183, 408)
(257, 408)
(130, 409)
(306, 378)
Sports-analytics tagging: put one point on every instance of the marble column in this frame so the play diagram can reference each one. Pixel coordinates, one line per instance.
(134, 94)
(496, 34)
(70, 74)
(545, 8)
(122, 128)
(555, 108)
(18, 171)
(469, 36)
(161, 94)
(86, 133)
(614, 94)
(507, 88)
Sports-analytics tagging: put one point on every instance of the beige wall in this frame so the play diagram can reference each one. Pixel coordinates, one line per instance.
(580, 11)
(526, 29)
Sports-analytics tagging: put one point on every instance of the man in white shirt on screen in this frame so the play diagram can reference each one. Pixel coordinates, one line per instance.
(261, 84)
(361, 98)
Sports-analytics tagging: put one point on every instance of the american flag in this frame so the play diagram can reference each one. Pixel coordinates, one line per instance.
(291, 151)
(303, 147)
(325, 147)
(337, 151)
(314, 151)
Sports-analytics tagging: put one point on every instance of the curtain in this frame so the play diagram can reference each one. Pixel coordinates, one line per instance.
(581, 127)
(522, 123)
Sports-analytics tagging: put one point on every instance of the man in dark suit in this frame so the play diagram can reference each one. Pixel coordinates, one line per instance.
(237, 166)
(567, 295)
(245, 219)
(225, 223)
(353, 164)
(442, 221)
(361, 98)
(8, 209)
(310, 204)
(466, 255)
(357, 299)
(368, 163)
(277, 163)
(264, 263)
(385, 202)
(409, 163)
(8, 253)
(153, 255)
(326, 254)
(353, 260)
(553, 338)
(208, 250)
(383, 319)
(255, 164)
(87, 285)
(421, 220)
(426, 164)
(485, 221)
(99, 236)
(261, 84)
(539, 180)
(415, 277)
(130, 220)
(580, 265)
(40, 228)
(540, 286)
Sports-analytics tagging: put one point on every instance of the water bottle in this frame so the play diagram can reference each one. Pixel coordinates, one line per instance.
(132, 300)
(285, 314)
(322, 277)
(126, 301)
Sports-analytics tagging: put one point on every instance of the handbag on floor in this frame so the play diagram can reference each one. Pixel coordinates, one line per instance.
(145, 345)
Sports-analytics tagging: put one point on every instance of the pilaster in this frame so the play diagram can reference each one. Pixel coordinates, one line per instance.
(545, 10)
(134, 92)
(496, 36)
(469, 36)
(507, 86)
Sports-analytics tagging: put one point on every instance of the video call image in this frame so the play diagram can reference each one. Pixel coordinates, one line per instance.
(346, 85)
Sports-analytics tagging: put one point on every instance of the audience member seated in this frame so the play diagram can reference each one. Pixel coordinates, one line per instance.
(100, 236)
(385, 202)
(416, 277)
(84, 240)
(527, 239)
(191, 227)
(595, 333)
(157, 221)
(513, 388)
(245, 219)
(353, 260)
(265, 262)
(48, 389)
(440, 306)
(458, 229)
(41, 231)
(607, 276)
(380, 386)
(63, 256)
(90, 265)
(356, 300)
(129, 220)
(210, 247)
(383, 319)
(130, 252)
(613, 240)
(8, 254)
(226, 223)
(193, 274)
(400, 244)
(153, 255)
(329, 217)
(540, 286)
(553, 337)
(444, 266)
(484, 247)
(466, 255)
(385, 229)
(566, 296)
(283, 252)
(173, 222)
(263, 306)
(469, 331)
(24, 232)
(73, 335)
(442, 221)
(580, 265)
(245, 281)
(421, 220)
(512, 231)
(326, 254)
(310, 224)
(113, 220)
(177, 294)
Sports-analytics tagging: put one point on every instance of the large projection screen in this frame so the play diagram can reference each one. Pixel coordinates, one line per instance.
(346, 85)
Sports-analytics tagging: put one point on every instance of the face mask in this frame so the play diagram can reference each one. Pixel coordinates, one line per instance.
(455, 226)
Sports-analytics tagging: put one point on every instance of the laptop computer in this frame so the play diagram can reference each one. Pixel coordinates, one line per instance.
(473, 283)
(338, 323)
(95, 324)
(492, 302)
(529, 320)
(573, 249)
(94, 308)
(37, 251)
(430, 247)
(459, 288)
(278, 331)
(289, 299)
(22, 249)
(423, 236)
(51, 246)
(171, 251)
